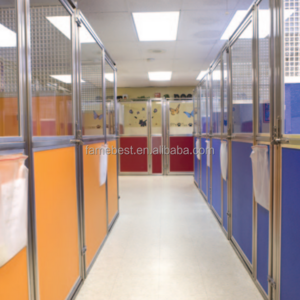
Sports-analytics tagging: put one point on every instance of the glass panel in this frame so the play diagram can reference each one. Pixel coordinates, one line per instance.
(133, 118)
(291, 67)
(203, 107)
(181, 117)
(216, 97)
(225, 115)
(156, 115)
(242, 104)
(9, 116)
(51, 64)
(110, 103)
(264, 67)
(91, 85)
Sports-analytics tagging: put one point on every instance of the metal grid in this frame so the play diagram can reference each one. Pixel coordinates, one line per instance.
(291, 39)
(51, 51)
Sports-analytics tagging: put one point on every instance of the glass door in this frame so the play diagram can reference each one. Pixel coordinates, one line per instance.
(156, 136)
(179, 131)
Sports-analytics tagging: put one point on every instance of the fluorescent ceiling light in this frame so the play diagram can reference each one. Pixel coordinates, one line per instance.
(263, 23)
(63, 24)
(242, 101)
(8, 37)
(216, 75)
(109, 77)
(64, 78)
(201, 75)
(156, 26)
(159, 76)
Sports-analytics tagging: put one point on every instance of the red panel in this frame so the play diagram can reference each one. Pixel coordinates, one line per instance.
(156, 158)
(48, 128)
(133, 162)
(180, 162)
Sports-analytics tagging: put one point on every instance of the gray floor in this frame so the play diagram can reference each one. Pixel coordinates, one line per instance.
(166, 245)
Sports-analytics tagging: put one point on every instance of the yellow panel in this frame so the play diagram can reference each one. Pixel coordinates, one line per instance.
(94, 203)
(112, 181)
(56, 219)
(13, 278)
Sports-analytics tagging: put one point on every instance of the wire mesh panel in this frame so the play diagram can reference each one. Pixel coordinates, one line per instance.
(203, 103)
(216, 99)
(110, 95)
(264, 66)
(9, 117)
(225, 87)
(291, 67)
(51, 64)
(91, 85)
(242, 82)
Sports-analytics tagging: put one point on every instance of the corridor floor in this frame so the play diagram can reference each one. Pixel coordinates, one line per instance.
(166, 245)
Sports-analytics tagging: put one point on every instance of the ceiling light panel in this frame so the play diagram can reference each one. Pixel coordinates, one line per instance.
(8, 37)
(63, 24)
(201, 75)
(64, 78)
(109, 77)
(160, 76)
(156, 26)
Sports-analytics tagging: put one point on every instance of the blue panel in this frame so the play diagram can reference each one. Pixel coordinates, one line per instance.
(196, 165)
(292, 108)
(203, 168)
(242, 196)
(216, 177)
(225, 205)
(262, 246)
(290, 228)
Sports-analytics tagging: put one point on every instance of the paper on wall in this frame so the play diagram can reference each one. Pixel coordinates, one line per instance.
(208, 153)
(198, 149)
(13, 216)
(224, 159)
(103, 164)
(261, 175)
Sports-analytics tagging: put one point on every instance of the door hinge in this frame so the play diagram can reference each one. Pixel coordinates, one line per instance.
(228, 214)
(83, 251)
(272, 282)
(78, 142)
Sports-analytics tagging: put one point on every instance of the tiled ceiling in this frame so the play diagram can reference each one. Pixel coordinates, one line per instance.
(201, 25)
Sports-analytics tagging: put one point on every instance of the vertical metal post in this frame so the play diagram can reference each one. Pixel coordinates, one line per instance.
(116, 129)
(222, 129)
(229, 141)
(149, 125)
(210, 132)
(25, 98)
(255, 100)
(78, 148)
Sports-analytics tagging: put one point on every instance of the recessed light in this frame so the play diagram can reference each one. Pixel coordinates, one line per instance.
(109, 77)
(216, 75)
(8, 37)
(63, 24)
(64, 78)
(159, 76)
(156, 26)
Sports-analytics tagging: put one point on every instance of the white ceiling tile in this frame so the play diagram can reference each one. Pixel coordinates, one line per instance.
(209, 5)
(113, 26)
(123, 50)
(102, 6)
(157, 50)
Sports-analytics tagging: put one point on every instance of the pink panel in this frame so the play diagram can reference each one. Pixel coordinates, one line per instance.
(131, 161)
(156, 155)
(180, 162)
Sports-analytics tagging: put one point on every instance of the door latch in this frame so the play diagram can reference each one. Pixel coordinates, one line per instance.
(272, 282)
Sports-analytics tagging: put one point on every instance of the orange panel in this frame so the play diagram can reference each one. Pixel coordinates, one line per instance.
(56, 219)
(9, 123)
(112, 180)
(13, 278)
(94, 203)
